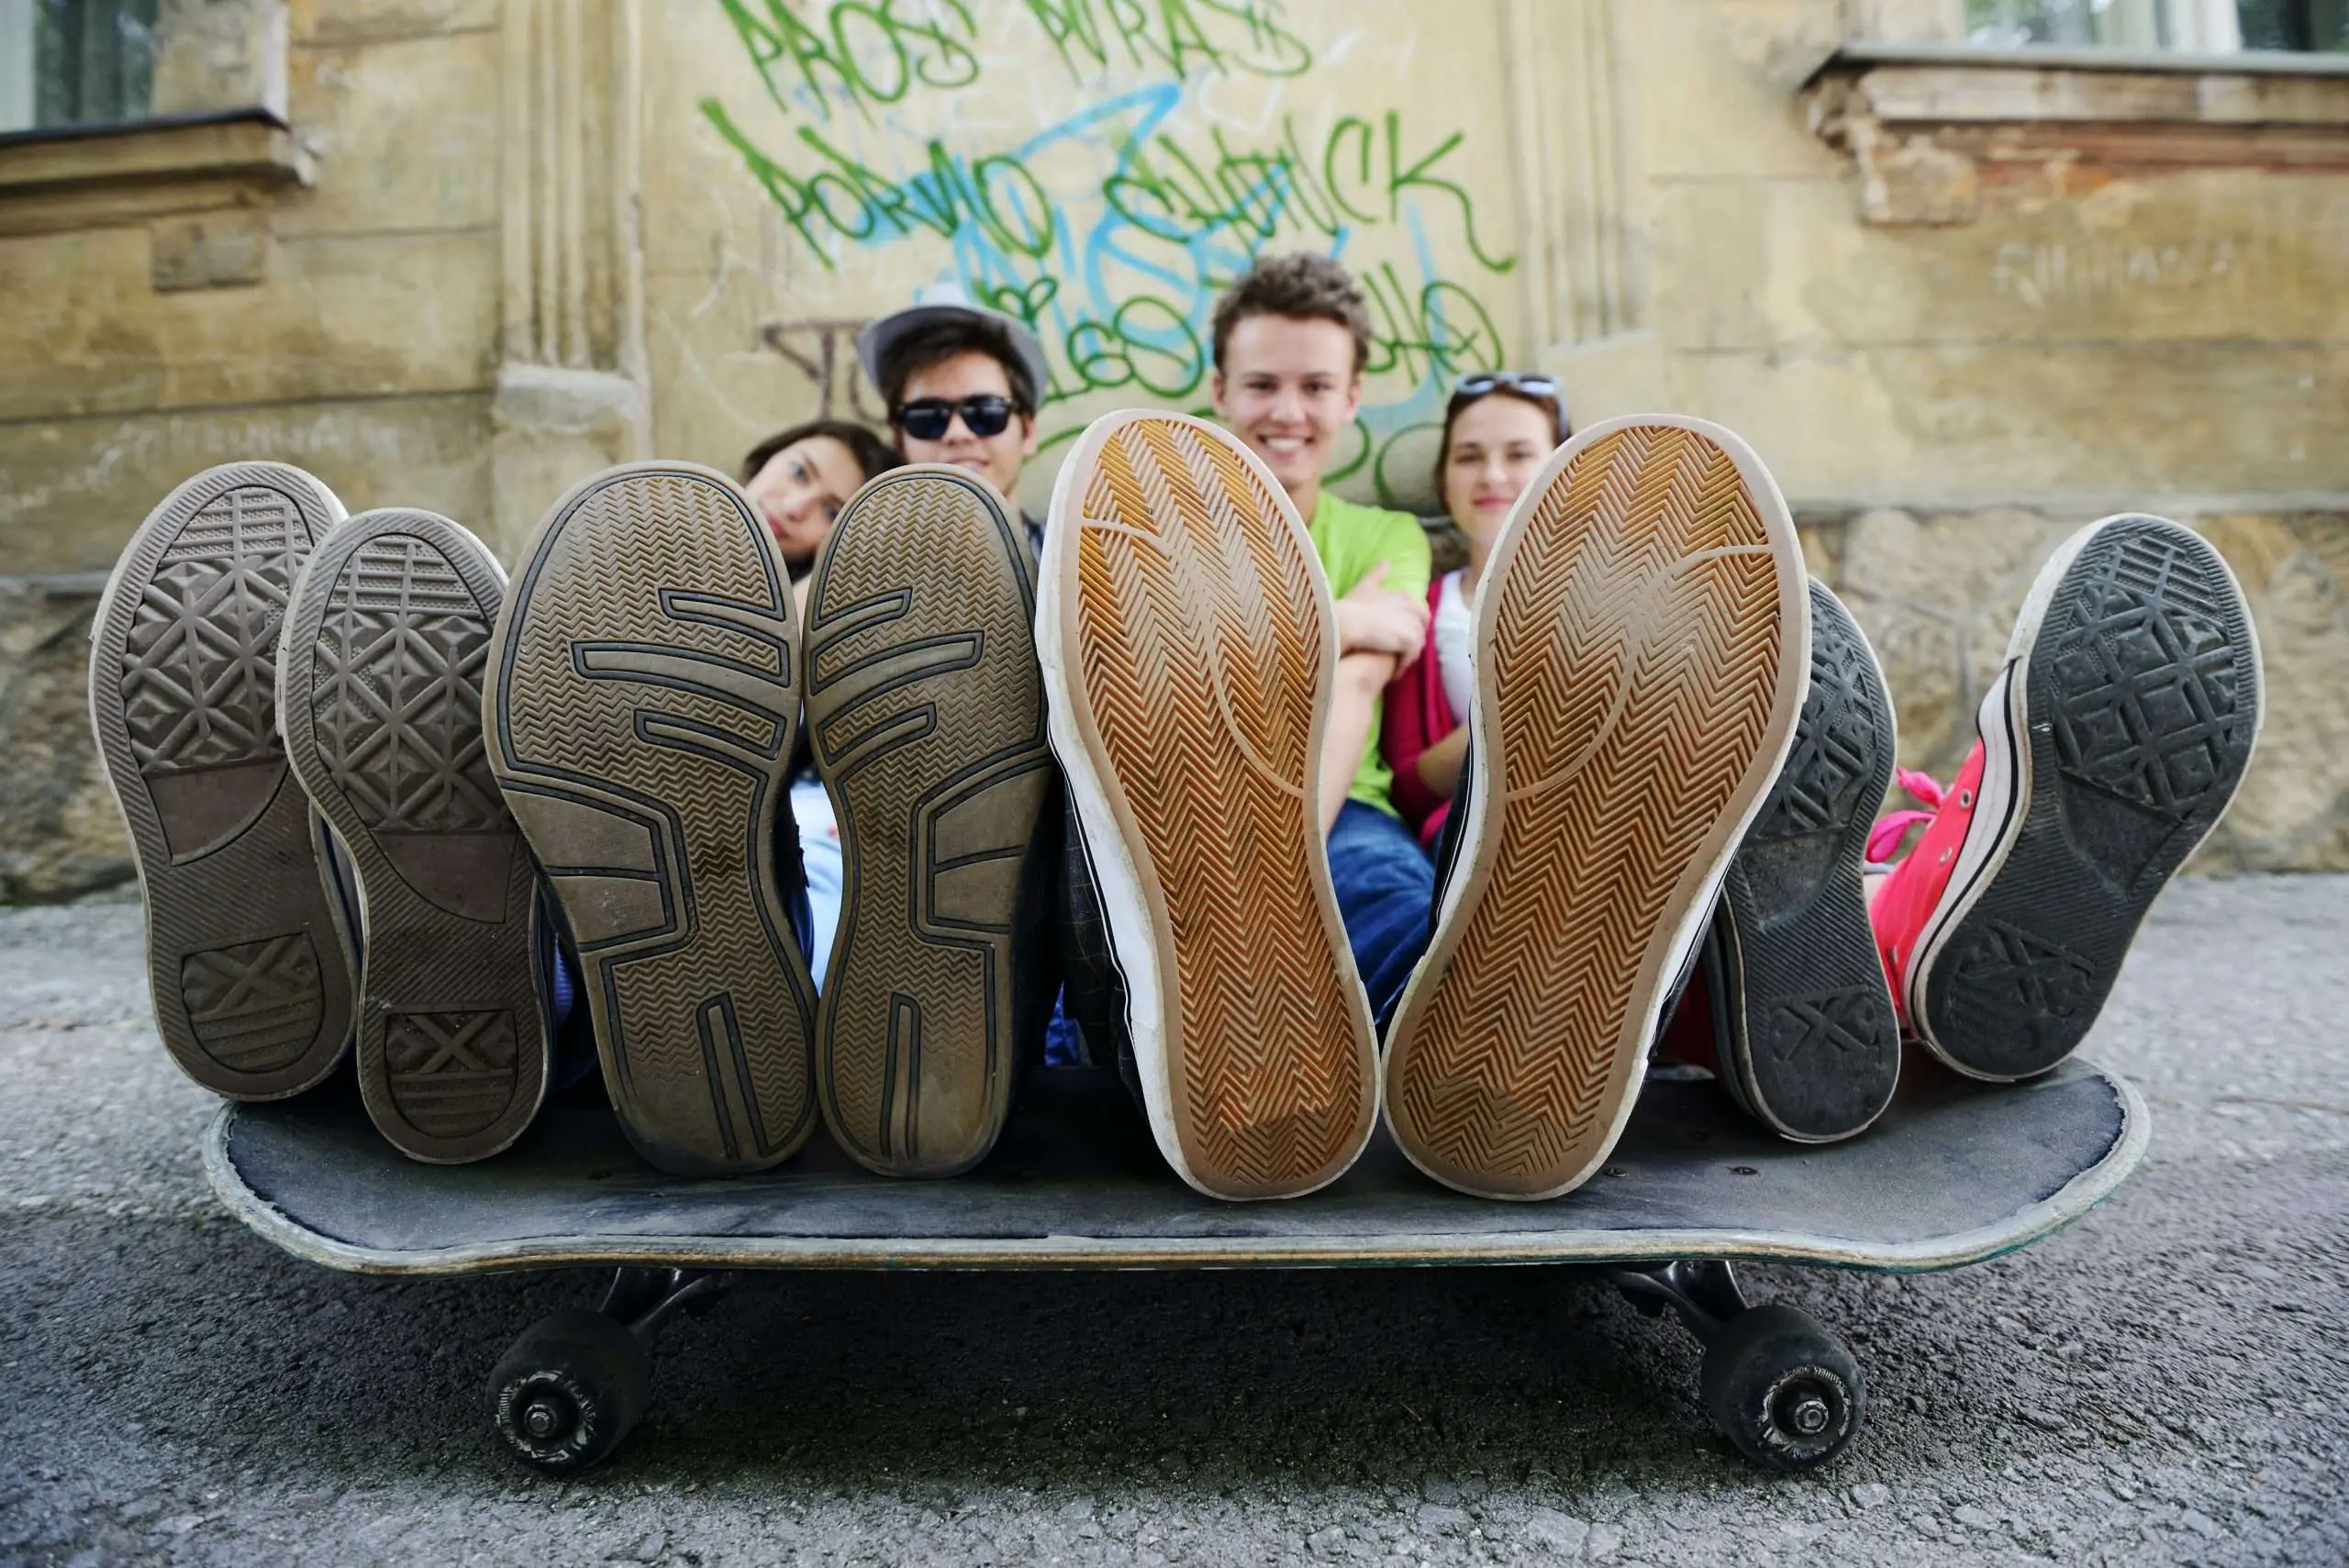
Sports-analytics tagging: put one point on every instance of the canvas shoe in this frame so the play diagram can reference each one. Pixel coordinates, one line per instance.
(1190, 652)
(251, 986)
(640, 703)
(2110, 744)
(379, 685)
(1641, 641)
(1804, 1030)
(926, 711)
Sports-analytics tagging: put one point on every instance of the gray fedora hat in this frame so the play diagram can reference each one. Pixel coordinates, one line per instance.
(947, 302)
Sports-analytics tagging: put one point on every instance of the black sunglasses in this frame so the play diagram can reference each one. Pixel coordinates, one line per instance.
(928, 418)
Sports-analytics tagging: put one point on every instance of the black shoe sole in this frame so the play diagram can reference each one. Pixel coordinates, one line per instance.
(379, 687)
(641, 701)
(1803, 1016)
(926, 714)
(2134, 699)
(252, 984)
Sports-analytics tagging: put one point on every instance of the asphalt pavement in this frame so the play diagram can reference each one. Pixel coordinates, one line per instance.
(2163, 1383)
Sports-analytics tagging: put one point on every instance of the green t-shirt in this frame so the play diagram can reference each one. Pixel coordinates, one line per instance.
(1350, 539)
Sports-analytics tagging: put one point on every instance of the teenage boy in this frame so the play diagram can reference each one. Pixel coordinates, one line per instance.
(962, 386)
(1290, 339)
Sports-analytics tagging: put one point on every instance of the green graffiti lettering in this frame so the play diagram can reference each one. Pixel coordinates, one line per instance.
(1400, 179)
(956, 65)
(1184, 36)
(1064, 20)
(878, 67)
(1357, 132)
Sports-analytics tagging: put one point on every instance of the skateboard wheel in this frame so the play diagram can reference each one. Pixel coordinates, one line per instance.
(1787, 1391)
(570, 1390)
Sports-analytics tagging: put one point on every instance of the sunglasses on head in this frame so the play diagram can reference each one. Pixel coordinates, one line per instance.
(1483, 382)
(928, 418)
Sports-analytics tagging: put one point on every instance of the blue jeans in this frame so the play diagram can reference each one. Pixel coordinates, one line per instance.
(1386, 887)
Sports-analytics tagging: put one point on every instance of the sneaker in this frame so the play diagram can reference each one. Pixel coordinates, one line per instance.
(252, 993)
(1189, 650)
(927, 715)
(379, 683)
(1641, 641)
(1803, 1022)
(2111, 743)
(640, 706)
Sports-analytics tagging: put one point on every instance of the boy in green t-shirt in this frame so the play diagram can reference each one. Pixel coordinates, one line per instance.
(1290, 337)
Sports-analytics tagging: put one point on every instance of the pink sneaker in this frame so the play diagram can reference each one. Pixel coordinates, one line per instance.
(2111, 743)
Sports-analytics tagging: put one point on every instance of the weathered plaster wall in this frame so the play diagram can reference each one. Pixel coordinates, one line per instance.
(540, 235)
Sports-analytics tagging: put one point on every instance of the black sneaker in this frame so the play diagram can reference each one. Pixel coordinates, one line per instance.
(252, 989)
(1803, 1020)
(641, 700)
(379, 683)
(2113, 740)
(927, 715)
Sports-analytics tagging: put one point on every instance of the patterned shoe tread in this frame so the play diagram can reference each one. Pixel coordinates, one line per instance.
(451, 1074)
(927, 713)
(2141, 704)
(254, 1006)
(382, 678)
(183, 708)
(641, 706)
(1196, 649)
(1635, 648)
(1801, 970)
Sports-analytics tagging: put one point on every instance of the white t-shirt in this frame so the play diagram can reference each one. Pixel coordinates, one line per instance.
(1451, 636)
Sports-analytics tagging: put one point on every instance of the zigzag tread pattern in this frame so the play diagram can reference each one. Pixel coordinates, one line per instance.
(666, 584)
(2152, 675)
(1200, 644)
(924, 701)
(1635, 687)
(395, 692)
(199, 672)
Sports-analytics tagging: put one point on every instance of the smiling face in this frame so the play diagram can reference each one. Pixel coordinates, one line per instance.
(801, 490)
(1289, 389)
(998, 458)
(1499, 444)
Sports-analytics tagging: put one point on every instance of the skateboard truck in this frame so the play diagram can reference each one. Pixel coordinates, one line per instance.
(574, 1383)
(1782, 1387)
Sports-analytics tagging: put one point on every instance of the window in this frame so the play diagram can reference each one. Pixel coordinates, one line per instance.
(2187, 26)
(65, 63)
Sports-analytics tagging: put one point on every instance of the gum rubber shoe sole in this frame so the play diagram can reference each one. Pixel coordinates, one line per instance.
(252, 990)
(1642, 636)
(379, 683)
(2132, 701)
(927, 716)
(1805, 1016)
(640, 706)
(1186, 635)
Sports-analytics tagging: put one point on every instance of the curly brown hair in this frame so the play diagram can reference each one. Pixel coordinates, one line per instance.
(1301, 285)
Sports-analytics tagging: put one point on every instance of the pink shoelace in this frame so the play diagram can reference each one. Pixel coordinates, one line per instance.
(1884, 838)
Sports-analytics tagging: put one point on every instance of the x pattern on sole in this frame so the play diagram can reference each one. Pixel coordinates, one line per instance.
(450, 1074)
(396, 691)
(199, 675)
(2149, 680)
(256, 1007)
(2000, 963)
(1835, 745)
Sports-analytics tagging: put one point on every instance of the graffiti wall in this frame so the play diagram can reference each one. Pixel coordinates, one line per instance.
(1100, 169)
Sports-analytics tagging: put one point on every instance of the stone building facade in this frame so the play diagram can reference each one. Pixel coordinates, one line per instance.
(455, 253)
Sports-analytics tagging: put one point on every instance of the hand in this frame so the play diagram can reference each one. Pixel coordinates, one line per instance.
(1375, 620)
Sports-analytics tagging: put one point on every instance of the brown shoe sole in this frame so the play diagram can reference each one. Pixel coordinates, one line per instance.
(640, 706)
(379, 685)
(927, 715)
(1641, 639)
(1192, 638)
(253, 989)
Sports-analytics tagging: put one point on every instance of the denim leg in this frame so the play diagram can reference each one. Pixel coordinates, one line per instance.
(1385, 884)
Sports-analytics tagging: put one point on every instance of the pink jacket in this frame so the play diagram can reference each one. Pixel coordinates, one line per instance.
(1418, 716)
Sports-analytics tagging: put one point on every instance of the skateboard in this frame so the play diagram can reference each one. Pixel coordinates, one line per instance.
(1955, 1173)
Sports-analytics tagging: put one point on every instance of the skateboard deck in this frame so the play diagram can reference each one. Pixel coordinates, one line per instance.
(1954, 1172)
